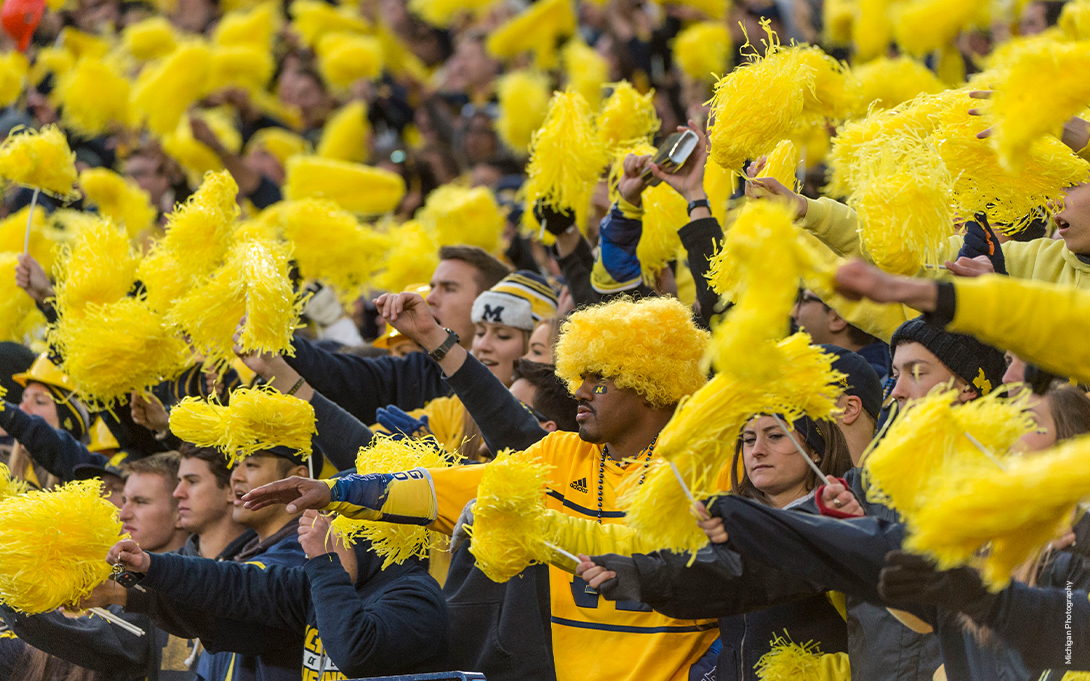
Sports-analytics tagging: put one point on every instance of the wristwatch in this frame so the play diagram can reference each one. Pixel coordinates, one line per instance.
(440, 352)
(698, 203)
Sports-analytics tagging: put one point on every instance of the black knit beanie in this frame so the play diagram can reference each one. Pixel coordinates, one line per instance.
(982, 366)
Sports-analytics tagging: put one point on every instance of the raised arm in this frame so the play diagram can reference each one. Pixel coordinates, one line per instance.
(56, 450)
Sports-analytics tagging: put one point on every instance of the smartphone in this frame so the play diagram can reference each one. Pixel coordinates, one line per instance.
(674, 151)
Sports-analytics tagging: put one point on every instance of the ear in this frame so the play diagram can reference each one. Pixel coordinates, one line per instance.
(301, 472)
(966, 392)
(836, 322)
(853, 407)
(550, 426)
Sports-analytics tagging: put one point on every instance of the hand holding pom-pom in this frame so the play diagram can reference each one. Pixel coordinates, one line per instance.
(129, 554)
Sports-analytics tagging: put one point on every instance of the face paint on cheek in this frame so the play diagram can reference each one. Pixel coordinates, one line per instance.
(600, 390)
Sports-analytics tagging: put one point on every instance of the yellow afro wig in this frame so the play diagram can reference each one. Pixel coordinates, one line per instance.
(651, 346)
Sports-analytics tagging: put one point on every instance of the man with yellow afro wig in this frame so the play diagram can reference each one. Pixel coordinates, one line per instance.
(628, 363)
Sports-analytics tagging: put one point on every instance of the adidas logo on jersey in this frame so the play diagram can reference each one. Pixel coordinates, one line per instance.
(580, 485)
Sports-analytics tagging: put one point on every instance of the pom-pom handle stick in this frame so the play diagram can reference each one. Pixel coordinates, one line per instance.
(30, 220)
(681, 481)
(798, 447)
(567, 554)
(110, 617)
(984, 450)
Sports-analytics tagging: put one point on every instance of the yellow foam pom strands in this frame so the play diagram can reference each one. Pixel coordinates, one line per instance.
(165, 281)
(790, 661)
(311, 225)
(626, 117)
(1051, 72)
(164, 90)
(884, 83)
(357, 188)
(509, 530)
(1075, 20)
(16, 307)
(872, 30)
(99, 267)
(412, 262)
(209, 313)
(703, 50)
(344, 58)
(10, 486)
(40, 160)
(396, 542)
(244, 66)
(924, 26)
(313, 19)
(566, 158)
(257, 419)
(651, 346)
(456, 215)
(254, 27)
(114, 349)
(13, 73)
(94, 97)
(197, 158)
(42, 242)
(149, 38)
(837, 18)
(198, 232)
(586, 70)
(537, 29)
(442, 13)
(272, 307)
(118, 198)
(53, 546)
(50, 60)
(524, 100)
(783, 164)
(346, 134)
(1018, 509)
(718, 185)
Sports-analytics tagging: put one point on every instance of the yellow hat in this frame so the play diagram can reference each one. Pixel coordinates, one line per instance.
(101, 437)
(46, 372)
(392, 336)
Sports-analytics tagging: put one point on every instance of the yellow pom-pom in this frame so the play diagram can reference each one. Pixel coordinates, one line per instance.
(626, 117)
(53, 546)
(9, 486)
(719, 185)
(99, 267)
(164, 278)
(509, 532)
(149, 38)
(443, 12)
(272, 307)
(256, 419)
(313, 19)
(783, 164)
(13, 72)
(13, 234)
(703, 50)
(566, 158)
(524, 100)
(650, 346)
(713, 9)
(346, 134)
(456, 215)
(118, 198)
(312, 225)
(197, 158)
(923, 26)
(395, 542)
(873, 29)
(40, 160)
(82, 44)
(1019, 509)
(357, 188)
(790, 661)
(586, 70)
(538, 29)
(837, 18)
(884, 83)
(1075, 20)
(50, 60)
(412, 262)
(344, 58)
(16, 307)
(209, 312)
(281, 143)
(1039, 72)
(254, 27)
(244, 66)
(94, 97)
(198, 232)
(398, 58)
(164, 90)
(114, 349)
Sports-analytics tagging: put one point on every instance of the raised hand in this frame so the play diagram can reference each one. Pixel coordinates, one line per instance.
(314, 535)
(31, 277)
(149, 412)
(410, 314)
(130, 555)
(688, 180)
(835, 495)
(298, 493)
(631, 183)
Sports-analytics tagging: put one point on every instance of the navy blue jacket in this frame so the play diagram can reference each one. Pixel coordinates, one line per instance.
(388, 622)
(52, 448)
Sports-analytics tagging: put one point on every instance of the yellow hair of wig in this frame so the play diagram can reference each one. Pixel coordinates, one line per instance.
(13, 73)
(9, 486)
(703, 50)
(149, 38)
(39, 159)
(313, 19)
(566, 159)
(456, 215)
(97, 268)
(254, 27)
(626, 117)
(524, 100)
(538, 29)
(94, 97)
(442, 13)
(52, 545)
(358, 188)
(1075, 20)
(884, 83)
(873, 29)
(197, 158)
(789, 661)
(17, 309)
(1039, 72)
(164, 90)
(344, 58)
(116, 348)
(650, 346)
(924, 26)
(245, 66)
(509, 530)
(118, 198)
(1017, 509)
(256, 419)
(346, 134)
(412, 262)
(313, 225)
(395, 542)
(586, 71)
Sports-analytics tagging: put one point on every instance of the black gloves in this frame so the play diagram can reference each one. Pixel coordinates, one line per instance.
(909, 579)
(555, 222)
(980, 239)
(626, 585)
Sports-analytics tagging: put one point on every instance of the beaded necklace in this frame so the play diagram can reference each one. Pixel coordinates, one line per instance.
(602, 472)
